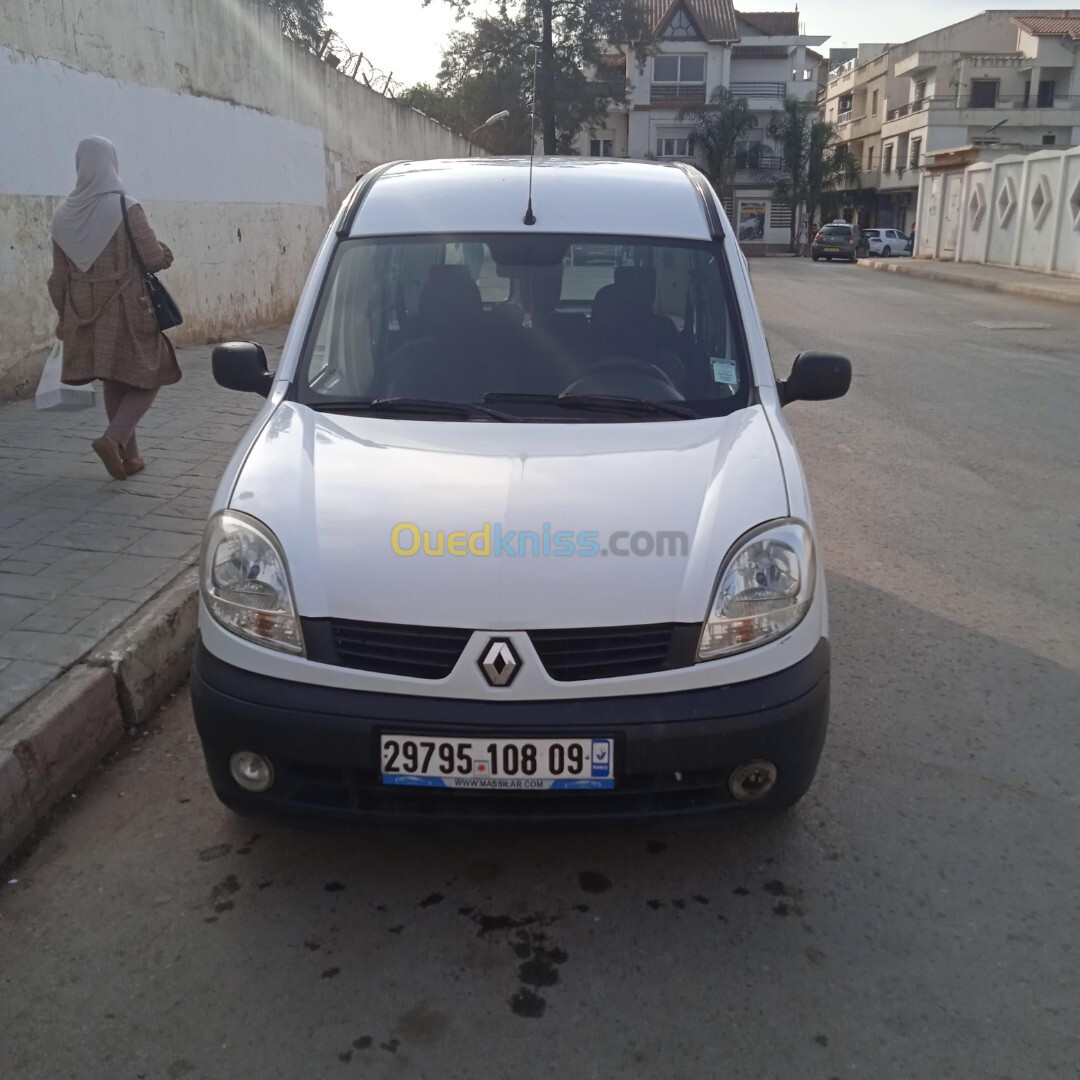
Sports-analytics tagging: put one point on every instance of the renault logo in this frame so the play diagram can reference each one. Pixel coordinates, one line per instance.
(500, 663)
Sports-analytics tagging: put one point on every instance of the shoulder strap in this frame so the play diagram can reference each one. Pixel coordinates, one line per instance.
(134, 247)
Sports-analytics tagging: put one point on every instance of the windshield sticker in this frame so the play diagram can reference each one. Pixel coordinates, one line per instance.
(723, 371)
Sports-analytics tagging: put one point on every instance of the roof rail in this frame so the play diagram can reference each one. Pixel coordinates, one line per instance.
(716, 226)
(351, 206)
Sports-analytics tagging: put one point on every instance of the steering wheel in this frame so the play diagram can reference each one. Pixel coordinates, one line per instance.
(628, 365)
(625, 376)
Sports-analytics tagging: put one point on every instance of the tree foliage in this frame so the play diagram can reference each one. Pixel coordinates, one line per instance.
(831, 165)
(570, 37)
(302, 20)
(812, 160)
(719, 127)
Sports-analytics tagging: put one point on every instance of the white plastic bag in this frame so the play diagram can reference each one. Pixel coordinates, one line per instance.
(53, 394)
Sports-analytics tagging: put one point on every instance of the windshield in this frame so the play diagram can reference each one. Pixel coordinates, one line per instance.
(836, 230)
(527, 322)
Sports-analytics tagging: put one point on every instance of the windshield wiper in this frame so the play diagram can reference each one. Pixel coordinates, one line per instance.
(598, 403)
(417, 406)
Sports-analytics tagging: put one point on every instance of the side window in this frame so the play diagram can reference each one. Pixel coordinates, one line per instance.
(353, 324)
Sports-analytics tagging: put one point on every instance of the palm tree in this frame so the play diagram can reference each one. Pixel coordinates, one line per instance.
(812, 160)
(719, 126)
(791, 128)
(832, 165)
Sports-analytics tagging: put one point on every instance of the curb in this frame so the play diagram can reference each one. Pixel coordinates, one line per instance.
(50, 743)
(1033, 291)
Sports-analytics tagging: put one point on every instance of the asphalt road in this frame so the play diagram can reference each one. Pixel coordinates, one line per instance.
(915, 916)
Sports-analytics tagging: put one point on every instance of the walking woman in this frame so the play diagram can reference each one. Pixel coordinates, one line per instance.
(106, 323)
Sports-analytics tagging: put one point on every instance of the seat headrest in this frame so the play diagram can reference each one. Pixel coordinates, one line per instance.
(450, 301)
(546, 288)
(638, 283)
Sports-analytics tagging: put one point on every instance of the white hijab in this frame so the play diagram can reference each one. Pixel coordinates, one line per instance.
(88, 218)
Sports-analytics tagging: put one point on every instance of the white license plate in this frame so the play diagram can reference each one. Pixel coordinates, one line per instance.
(485, 764)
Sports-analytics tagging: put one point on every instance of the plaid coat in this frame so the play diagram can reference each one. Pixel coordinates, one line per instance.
(106, 321)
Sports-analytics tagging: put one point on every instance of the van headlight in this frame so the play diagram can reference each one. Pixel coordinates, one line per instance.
(245, 583)
(765, 588)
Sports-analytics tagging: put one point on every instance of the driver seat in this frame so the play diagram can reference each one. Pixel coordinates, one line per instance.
(623, 323)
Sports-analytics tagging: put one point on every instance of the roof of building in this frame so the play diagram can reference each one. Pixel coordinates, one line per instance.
(1056, 24)
(772, 23)
(714, 18)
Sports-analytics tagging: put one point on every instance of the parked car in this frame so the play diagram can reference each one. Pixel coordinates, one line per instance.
(886, 242)
(839, 240)
(545, 556)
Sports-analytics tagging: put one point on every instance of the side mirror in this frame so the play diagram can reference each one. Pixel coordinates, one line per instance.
(816, 376)
(241, 365)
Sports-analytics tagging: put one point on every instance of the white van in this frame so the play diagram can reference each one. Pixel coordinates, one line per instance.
(521, 530)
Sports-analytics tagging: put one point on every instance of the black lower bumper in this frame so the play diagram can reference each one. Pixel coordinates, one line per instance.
(674, 752)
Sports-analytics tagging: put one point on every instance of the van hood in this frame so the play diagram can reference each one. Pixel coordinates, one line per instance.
(334, 488)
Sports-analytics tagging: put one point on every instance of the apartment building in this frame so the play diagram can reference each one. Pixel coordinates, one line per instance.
(1000, 78)
(701, 44)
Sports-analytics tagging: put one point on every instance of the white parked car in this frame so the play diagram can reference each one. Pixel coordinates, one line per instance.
(514, 535)
(887, 242)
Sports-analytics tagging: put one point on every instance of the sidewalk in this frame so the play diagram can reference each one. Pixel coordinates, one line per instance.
(80, 552)
(1000, 279)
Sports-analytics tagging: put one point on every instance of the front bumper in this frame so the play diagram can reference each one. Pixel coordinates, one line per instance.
(674, 751)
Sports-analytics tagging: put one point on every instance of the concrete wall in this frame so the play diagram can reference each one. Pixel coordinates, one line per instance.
(1022, 210)
(239, 143)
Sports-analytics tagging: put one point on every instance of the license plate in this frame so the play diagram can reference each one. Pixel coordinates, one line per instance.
(832, 251)
(484, 764)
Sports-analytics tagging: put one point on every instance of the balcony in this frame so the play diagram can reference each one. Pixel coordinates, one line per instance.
(1033, 110)
(845, 117)
(759, 89)
(677, 94)
(765, 162)
(911, 107)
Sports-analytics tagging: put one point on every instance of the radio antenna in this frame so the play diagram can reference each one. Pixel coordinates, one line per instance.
(530, 217)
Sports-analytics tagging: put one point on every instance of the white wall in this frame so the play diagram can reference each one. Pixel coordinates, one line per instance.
(1022, 210)
(239, 143)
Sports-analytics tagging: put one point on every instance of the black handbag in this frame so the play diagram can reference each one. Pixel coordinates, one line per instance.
(165, 308)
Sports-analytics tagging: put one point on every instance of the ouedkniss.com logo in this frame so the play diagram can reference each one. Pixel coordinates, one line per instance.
(491, 540)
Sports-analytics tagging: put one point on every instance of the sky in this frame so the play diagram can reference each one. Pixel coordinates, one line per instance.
(404, 37)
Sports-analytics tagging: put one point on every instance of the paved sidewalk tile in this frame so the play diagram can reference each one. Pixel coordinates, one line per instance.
(80, 551)
(22, 679)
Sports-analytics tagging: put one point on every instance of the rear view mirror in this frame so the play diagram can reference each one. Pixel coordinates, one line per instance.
(816, 376)
(241, 365)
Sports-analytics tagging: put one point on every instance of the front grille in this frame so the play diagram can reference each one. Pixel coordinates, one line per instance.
(420, 652)
(608, 652)
(430, 652)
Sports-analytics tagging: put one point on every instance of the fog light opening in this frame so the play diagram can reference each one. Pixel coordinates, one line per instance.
(251, 771)
(752, 781)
